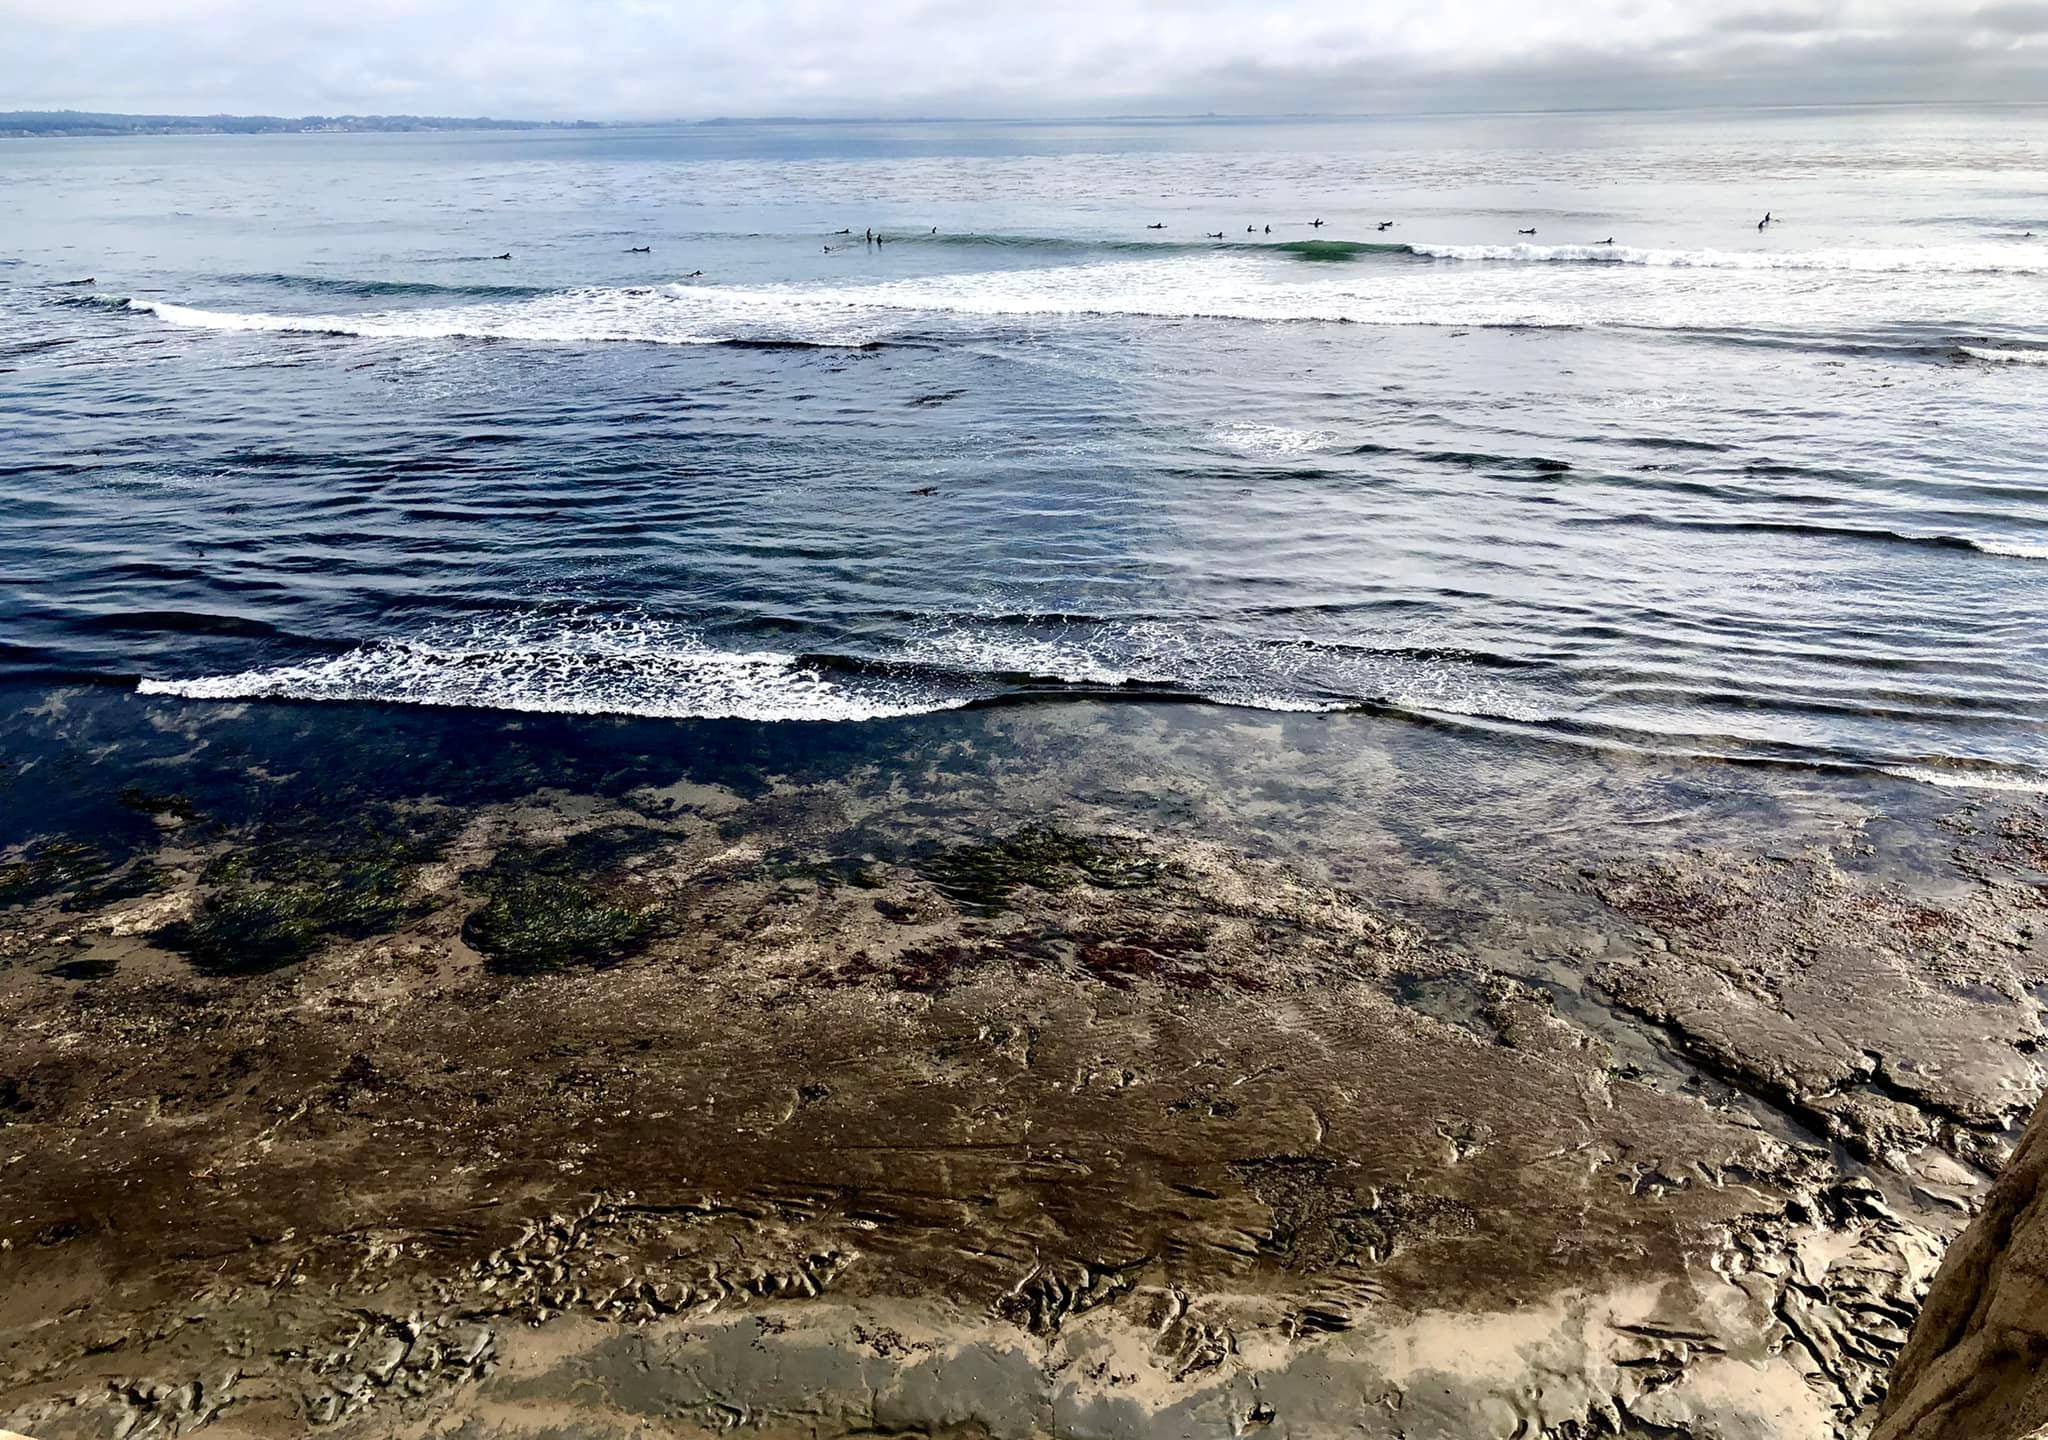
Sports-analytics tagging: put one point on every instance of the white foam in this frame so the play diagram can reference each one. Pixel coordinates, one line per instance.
(1968, 779)
(666, 315)
(1934, 260)
(2015, 548)
(622, 666)
(1272, 442)
(1477, 703)
(2005, 357)
(1076, 660)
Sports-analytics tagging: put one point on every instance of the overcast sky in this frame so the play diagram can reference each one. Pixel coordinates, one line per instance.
(648, 59)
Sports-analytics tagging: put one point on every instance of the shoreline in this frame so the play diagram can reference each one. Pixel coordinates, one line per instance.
(1090, 1069)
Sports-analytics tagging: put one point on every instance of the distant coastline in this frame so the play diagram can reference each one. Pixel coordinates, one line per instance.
(26, 124)
(31, 123)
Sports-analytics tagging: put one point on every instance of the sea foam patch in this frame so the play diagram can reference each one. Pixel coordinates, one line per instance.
(577, 666)
(1272, 442)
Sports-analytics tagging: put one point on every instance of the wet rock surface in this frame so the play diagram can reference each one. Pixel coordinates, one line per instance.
(822, 1110)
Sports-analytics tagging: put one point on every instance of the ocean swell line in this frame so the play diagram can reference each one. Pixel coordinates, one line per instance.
(1940, 260)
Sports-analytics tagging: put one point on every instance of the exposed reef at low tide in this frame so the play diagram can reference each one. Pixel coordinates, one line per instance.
(818, 1109)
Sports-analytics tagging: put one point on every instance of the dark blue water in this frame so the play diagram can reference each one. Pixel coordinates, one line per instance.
(1774, 494)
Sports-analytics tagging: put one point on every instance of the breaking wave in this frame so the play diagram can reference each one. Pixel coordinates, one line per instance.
(1927, 260)
(561, 317)
(642, 666)
(620, 667)
(1223, 285)
(1961, 776)
(1998, 356)
(2015, 548)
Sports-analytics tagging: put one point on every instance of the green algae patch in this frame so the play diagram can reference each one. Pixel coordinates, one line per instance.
(248, 930)
(281, 899)
(133, 883)
(1041, 857)
(49, 867)
(87, 876)
(574, 906)
(542, 923)
(839, 872)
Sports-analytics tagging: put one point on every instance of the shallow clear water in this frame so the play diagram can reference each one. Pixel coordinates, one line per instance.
(1775, 494)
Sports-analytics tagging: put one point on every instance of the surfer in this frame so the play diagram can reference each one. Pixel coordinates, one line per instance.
(1315, 224)
(1155, 227)
(639, 249)
(847, 231)
(506, 256)
(1386, 224)
(1269, 229)
(1530, 231)
(694, 275)
(1608, 241)
(1217, 236)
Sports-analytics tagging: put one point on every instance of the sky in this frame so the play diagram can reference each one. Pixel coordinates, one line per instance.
(694, 59)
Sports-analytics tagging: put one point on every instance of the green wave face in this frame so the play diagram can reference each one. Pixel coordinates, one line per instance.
(1334, 249)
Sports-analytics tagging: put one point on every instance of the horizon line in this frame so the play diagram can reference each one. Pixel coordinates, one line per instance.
(1050, 118)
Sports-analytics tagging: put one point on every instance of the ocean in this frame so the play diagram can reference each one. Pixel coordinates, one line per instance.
(415, 420)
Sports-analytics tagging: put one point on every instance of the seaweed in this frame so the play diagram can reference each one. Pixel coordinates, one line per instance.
(129, 884)
(535, 924)
(568, 906)
(281, 899)
(984, 876)
(49, 866)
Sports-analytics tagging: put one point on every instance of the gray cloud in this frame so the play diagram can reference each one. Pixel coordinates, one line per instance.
(2023, 17)
(647, 59)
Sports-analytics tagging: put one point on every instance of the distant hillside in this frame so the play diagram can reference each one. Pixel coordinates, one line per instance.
(89, 122)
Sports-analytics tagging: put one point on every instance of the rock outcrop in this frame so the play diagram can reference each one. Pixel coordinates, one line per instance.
(1976, 1367)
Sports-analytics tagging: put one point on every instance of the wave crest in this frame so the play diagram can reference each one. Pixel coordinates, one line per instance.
(1996, 355)
(637, 668)
(1933, 260)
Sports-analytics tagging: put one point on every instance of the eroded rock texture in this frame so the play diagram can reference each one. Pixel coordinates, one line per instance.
(1977, 1365)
